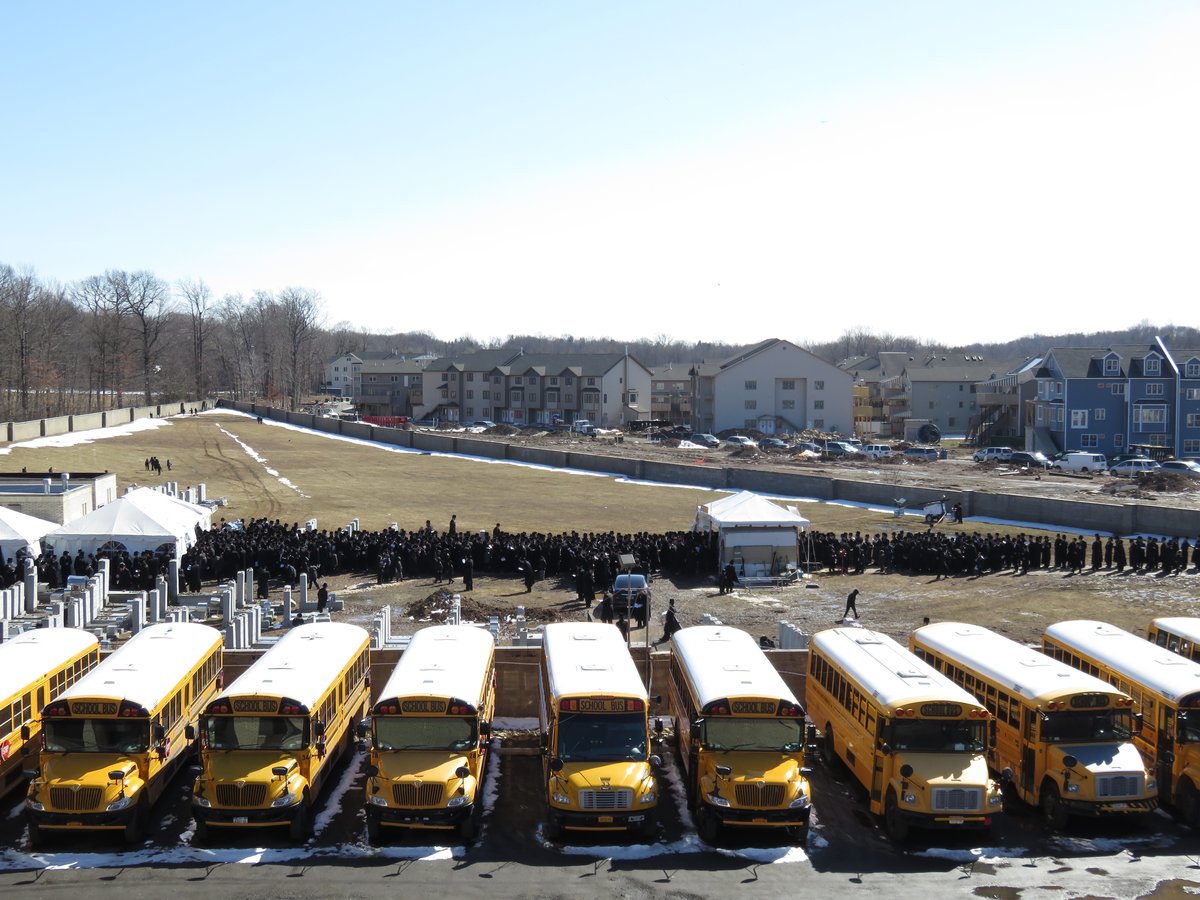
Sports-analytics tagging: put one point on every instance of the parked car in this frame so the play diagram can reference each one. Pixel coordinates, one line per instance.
(705, 440)
(483, 423)
(924, 453)
(1032, 460)
(630, 593)
(772, 444)
(740, 440)
(839, 450)
(877, 451)
(1183, 466)
(1132, 468)
(1081, 461)
(806, 447)
(1121, 457)
(992, 454)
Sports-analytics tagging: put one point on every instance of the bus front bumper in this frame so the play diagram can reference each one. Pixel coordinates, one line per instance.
(1109, 808)
(442, 817)
(101, 821)
(937, 821)
(613, 821)
(244, 818)
(760, 818)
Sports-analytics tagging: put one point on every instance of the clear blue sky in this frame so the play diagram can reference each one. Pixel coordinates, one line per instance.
(950, 171)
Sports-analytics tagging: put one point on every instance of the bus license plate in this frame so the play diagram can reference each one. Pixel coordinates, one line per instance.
(1120, 806)
(759, 821)
(241, 820)
(604, 819)
(956, 820)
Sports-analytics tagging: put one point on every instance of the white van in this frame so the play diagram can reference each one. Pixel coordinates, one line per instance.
(1080, 461)
(992, 454)
(877, 451)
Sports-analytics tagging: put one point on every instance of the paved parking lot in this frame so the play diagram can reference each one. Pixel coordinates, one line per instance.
(846, 853)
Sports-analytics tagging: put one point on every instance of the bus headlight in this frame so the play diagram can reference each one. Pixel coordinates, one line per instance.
(996, 800)
(1151, 785)
(561, 799)
(286, 799)
(801, 800)
(717, 800)
(1073, 787)
(910, 798)
(649, 797)
(201, 801)
(35, 806)
(378, 800)
(119, 803)
(456, 801)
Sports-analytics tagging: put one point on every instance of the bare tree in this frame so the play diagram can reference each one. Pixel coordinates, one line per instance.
(105, 314)
(198, 298)
(146, 301)
(300, 314)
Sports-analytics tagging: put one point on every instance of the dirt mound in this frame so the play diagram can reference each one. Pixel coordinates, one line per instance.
(436, 609)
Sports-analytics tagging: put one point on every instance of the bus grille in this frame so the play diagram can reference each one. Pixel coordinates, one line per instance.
(241, 796)
(757, 795)
(1119, 786)
(622, 799)
(417, 794)
(71, 800)
(957, 799)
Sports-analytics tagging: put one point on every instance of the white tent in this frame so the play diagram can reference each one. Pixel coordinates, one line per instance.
(164, 506)
(123, 524)
(760, 538)
(18, 530)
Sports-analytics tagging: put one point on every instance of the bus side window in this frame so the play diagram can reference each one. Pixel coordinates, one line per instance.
(1173, 644)
(1030, 718)
(1161, 639)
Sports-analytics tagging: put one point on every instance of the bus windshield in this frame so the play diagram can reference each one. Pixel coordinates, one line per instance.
(938, 735)
(1189, 727)
(1087, 725)
(254, 732)
(781, 735)
(97, 735)
(424, 733)
(596, 737)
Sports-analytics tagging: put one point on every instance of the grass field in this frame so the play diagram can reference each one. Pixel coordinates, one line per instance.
(273, 471)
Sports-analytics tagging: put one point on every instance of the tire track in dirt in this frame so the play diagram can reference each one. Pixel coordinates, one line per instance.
(249, 480)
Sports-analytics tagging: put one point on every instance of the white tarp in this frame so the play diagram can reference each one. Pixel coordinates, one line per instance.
(19, 530)
(165, 507)
(124, 522)
(758, 536)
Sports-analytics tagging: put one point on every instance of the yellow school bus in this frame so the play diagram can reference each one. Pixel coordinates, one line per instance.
(910, 736)
(112, 741)
(35, 668)
(1065, 735)
(429, 733)
(270, 740)
(740, 734)
(595, 729)
(1165, 688)
(1179, 634)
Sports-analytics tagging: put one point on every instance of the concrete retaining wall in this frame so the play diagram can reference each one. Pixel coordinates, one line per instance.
(1124, 519)
(35, 428)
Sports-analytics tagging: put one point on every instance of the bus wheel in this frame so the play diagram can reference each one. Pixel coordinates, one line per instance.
(554, 830)
(133, 828)
(466, 828)
(200, 833)
(298, 827)
(708, 826)
(373, 830)
(35, 836)
(648, 830)
(1188, 804)
(893, 822)
(829, 751)
(798, 834)
(1053, 811)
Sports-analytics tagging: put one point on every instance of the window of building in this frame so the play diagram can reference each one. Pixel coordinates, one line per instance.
(1089, 441)
(752, 385)
(1099, 414)
(495, 379)
(1154, 390)
(788, 384)
(591, 382)
(1193, 394)
(818, 423)
(1149, 415)
(570, 398)
(1153, 365)
(1118, 389)
(470, 394)
(1112, 365)
(554, 379)
(470, 376)
(818, 385)
(1059, 414)
(516, 379)
(1192, 369)
(1193, 420)
(1118, 441)
(749, 424)
(751, 404)
(789, 404)
(1191, 445)
(931, 404)
(818, 404)
(487, 395)
(951, 421)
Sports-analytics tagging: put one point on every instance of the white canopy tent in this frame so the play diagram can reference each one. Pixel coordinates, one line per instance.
(760, 538)
(162, 505)
(125, 525)
(19, 530)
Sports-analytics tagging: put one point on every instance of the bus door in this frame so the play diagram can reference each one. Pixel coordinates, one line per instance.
(882, 734)
(1028, 751)
(1164, 756)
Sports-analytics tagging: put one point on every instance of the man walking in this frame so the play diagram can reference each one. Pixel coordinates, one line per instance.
(850, 606)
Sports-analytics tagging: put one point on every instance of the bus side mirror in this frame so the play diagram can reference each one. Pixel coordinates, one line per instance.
(724, 771)
(319, 729)
(992, 733)
(1138, 721)
(189, 732)
(25, 735)
(658, 727)
(694, 731)
(462, 772)
(544, 739)
(364, 729)
(1006, 776)
(159, 733)
(279, 771)
(556, 765)
(485, 729)
(1070, 762)
(371, 770)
